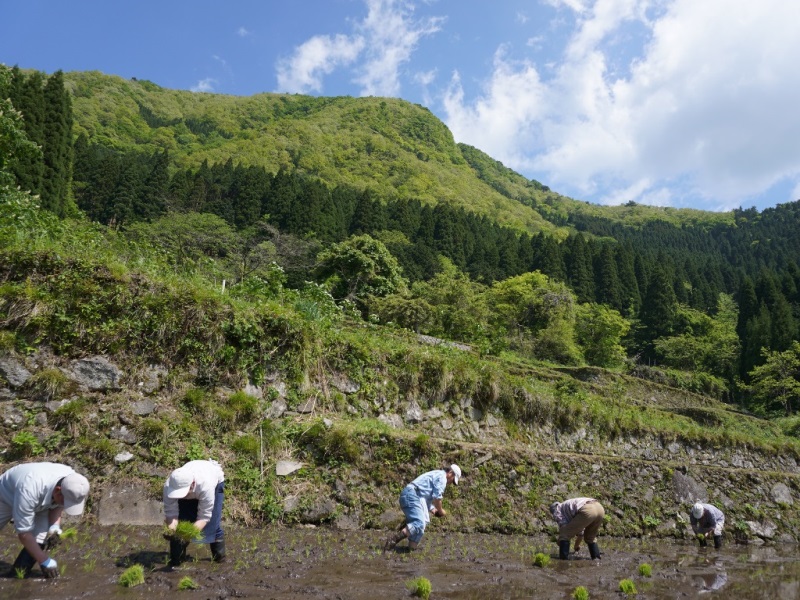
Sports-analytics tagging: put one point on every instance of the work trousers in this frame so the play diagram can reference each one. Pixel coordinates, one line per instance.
(212, 532)
(588, 520)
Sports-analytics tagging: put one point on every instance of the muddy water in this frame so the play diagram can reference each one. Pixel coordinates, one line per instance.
(289, 563)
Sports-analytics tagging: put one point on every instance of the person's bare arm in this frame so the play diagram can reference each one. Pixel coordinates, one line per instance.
(437, 504)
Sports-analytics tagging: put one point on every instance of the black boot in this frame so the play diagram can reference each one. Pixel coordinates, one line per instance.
(24, 564)
(703, 541)
(594, 550)
(218, 551)
(717, 542)
(177, 552)
(394, 539)
(563, 549)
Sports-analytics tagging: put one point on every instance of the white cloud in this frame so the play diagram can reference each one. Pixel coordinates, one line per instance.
(380, 44)
(243, 32)
(204, 85)
(795, 193)
(706, 109)
(315, 58)
(392, 36)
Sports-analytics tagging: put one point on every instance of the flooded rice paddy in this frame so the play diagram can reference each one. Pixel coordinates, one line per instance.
(285, 563)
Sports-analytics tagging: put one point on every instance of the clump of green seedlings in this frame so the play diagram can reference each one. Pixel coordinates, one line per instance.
(187, 583)
(420, 587)
(132, 576)
(68, 533)
(626, 586)
(580, 593)
(645, 570)
(541, 559)
(185, 532)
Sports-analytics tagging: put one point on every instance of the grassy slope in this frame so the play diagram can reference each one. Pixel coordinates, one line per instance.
(79, 289)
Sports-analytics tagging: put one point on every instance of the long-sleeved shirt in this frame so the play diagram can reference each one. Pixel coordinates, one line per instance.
(28, 489)
(207, 475)
(431, 485)
(567, 510)
(711, 516)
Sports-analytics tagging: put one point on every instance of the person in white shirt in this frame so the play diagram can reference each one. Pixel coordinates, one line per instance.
(195, 492)
(707, 519)
(34, 496)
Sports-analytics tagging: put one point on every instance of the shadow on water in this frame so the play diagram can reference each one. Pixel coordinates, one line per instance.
(148, 559)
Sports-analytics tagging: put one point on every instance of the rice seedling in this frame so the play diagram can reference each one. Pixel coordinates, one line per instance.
(541, 559)
(645, 570)
(419, 587)
(626, 586)
(187, 583)
(580, 593)
(132, 576)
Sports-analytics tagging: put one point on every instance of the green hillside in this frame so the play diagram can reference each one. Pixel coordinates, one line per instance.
(396, 148)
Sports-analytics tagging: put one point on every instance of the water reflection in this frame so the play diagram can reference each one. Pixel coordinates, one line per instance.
(716, 580)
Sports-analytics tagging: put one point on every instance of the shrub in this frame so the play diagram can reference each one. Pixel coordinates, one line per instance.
(69, 415)
(626, 586)
(580, 593)
(24, 445)
(195, 401)
(48, 384)
(132, 576)
(152, 432)
(244, 406)
(645, 570)
(541, 559)
(247, 445)
(420, 587)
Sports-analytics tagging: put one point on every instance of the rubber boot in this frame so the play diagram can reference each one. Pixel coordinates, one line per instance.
(394, 539)
(218, 551)
(703, 541)
(594, 550)
(717, 542)
(177, 552)
(24, 563)
(563, 549)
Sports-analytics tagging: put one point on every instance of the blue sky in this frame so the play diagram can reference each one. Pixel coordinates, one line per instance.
(685, 103)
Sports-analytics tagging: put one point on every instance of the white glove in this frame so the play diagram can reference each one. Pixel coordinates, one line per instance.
(50, 563)
(55, 528)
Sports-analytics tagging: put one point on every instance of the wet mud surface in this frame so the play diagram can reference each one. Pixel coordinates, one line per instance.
(286, 563)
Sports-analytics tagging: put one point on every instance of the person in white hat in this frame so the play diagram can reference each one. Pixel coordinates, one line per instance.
(195, 492)
(418, 500)
(707, 519)
(34, 496)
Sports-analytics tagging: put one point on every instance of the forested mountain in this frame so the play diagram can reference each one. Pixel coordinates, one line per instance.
(372, 199)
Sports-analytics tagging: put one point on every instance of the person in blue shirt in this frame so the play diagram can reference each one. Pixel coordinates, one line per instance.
(418, 500)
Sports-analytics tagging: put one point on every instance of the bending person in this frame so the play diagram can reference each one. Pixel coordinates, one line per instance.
(195, 492)
(418, 500)
(35, 495)
(707, 519)
(580, 518)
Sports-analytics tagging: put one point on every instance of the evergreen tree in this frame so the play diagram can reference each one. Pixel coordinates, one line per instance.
(57, 146)
(659, 310)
